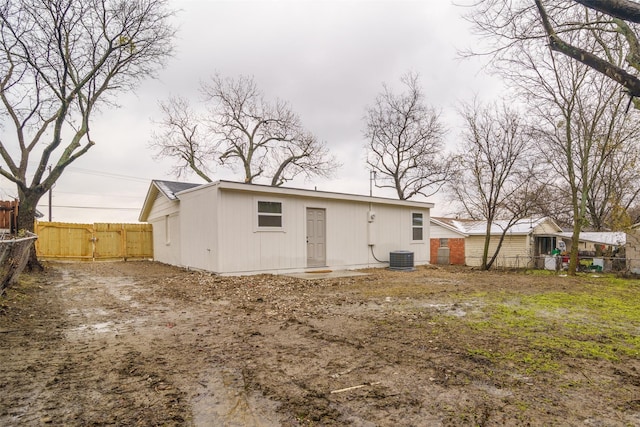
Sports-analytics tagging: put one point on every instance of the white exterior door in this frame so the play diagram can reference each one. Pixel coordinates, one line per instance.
(316, 238)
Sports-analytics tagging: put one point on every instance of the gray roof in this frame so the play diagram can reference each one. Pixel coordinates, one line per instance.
(479, 228)
(171, 188)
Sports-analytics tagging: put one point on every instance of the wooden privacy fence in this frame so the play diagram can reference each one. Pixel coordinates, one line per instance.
(9, 215)
(59, 240)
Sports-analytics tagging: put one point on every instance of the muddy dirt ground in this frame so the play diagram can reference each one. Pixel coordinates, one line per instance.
(143, 344)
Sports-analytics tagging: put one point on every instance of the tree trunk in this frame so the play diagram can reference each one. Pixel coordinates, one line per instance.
(26, 221)
(575, 242)
(485, 249)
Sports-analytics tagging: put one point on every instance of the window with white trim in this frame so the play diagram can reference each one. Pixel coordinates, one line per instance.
(417, 226)
(269, 215)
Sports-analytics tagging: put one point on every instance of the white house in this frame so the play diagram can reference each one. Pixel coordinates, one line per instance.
(236, 228)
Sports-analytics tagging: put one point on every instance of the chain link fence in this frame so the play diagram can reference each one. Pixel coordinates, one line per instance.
(585, 264)
(14, 254)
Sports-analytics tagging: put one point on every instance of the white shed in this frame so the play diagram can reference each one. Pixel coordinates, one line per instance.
(236, 228)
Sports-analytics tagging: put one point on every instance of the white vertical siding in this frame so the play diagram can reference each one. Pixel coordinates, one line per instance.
(217, 230)
(394, 231)
(513, 253)
(164, 216)
(439, 232)
(198, 225)
(244, 248)
(546, 227)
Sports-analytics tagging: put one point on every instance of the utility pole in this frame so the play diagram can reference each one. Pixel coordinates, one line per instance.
(50, 197)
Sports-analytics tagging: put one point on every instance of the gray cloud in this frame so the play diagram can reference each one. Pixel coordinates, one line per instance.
(327, 58)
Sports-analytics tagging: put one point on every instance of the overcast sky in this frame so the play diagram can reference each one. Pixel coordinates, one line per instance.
(328, 59)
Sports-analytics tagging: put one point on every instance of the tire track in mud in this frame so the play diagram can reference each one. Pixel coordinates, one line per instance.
(116, 358)
(147, 344)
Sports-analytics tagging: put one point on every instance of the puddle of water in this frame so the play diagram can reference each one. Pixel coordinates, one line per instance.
(96, 327)
(452, 309)
(492, 390)
(225, 402)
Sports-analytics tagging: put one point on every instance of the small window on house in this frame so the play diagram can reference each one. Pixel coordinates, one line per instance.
(269, 214)
(444, 243)
(417, 226)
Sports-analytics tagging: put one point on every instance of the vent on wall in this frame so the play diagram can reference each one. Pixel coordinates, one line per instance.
(401, 260)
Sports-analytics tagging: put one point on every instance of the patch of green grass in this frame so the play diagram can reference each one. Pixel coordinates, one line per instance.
(533, 362)
(538, 272)
(481, 352)
(600, 320)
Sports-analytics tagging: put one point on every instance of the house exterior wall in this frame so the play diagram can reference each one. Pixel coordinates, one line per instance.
(515, 250)
(165, 219)
(455, 243)
(545, 227)
(456, 249)
(220, 232)
(199, 216)
(439, 232)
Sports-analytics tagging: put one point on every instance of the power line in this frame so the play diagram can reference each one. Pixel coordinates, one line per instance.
(99, 194)
(108, 174)
(91, 207)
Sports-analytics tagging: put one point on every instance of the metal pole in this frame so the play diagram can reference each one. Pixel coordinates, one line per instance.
(50, 197)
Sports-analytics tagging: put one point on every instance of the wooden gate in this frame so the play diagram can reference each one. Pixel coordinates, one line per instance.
(59, 240)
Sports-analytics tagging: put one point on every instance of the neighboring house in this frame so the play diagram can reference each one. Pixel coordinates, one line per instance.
(8, 216)
(599, 248)
(523, 243)
(599, 242)
(447, 242)
(235, 228)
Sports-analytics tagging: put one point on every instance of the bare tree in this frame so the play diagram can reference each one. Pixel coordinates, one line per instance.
(617, 187)
(303, 155)
(572, 28)
(580, 115)
(240, 128)
(495, 179)
(181, 136)
(59, 61)
(610, 200)
(405, 144)
(616, 12)
(554, 198)
(581, 128)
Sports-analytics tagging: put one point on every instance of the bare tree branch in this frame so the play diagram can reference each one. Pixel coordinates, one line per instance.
(405, 141)
(624, 9)
(495, 177)
(243, 129)
(59, 60)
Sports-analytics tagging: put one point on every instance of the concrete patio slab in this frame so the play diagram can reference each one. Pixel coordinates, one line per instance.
(325, 274)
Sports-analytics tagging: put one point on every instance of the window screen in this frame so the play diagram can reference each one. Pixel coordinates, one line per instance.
(269, 214)
(417, 226)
